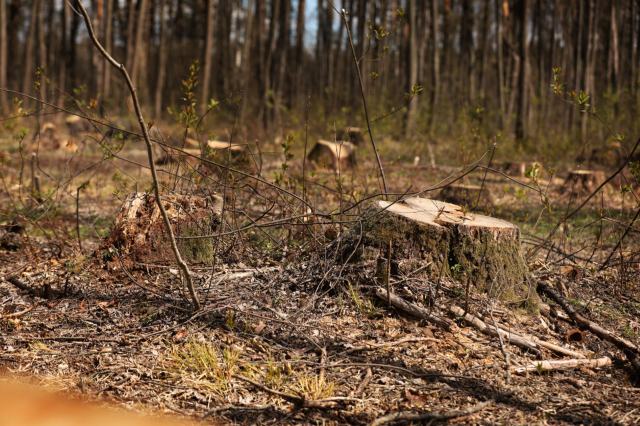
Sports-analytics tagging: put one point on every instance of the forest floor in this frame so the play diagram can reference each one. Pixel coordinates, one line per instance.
(294, 338)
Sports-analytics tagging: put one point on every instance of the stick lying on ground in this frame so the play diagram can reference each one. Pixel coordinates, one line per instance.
(631, 351)
(411, 309)
(526, 342)
(562, 364)
(411, 416)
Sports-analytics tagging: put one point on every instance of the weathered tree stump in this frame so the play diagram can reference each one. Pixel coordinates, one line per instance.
(481, 251)
(139, 233)
(190, 156)
(351, 134)
(233, 154)
(77, 125)
(467, 195)
(581, 182)
(333, 155)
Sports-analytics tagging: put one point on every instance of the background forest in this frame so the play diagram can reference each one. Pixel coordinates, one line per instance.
(462, 69)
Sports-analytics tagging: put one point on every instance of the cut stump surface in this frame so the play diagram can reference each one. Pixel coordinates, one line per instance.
(479, 250)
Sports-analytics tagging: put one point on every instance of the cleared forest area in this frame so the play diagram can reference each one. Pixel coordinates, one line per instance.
(297, 212)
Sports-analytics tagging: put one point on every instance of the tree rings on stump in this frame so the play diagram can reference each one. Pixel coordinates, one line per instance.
(474, 249)
(467, 195)
(139, 233)
(333, 155)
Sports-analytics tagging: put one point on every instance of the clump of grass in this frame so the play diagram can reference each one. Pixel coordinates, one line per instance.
(313, 387)
(364, 305)
(207, 362)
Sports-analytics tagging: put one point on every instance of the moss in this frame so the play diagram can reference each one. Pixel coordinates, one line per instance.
(490, 262)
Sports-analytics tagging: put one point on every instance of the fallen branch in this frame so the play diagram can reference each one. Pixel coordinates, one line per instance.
(631, 351)
(412, 309)
(562, 364)
(410, 416)
(43, 292)
(526, 342)
(298, 401)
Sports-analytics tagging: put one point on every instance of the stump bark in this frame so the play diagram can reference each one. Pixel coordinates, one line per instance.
(473, 249)
(468, 195)
(581, 182)
(351, 134)
(333, 155)
(139, 234)
(234, 154)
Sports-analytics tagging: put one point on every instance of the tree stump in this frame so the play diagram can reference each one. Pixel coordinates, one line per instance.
(467, 195)
(333, 155)
(351, 134)
(77, 125)
(234, 155)
(139, 233)
(582, 182)
(481, 251)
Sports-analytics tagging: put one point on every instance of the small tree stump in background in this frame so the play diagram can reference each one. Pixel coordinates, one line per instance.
(475, 196)
(351, 134)
(582, 182)
(480, 251)
(139, 234)
(76, 125)
(333, 155)
(235, 155)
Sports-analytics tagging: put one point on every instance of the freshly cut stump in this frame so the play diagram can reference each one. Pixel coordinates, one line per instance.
(139, 233)
(235, 155)
(582, 182)
(351, 134)
(333, 155)
(474, 249)
(468, 195)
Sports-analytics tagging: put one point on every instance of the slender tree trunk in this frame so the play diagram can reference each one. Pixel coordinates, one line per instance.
(4, 105)
(129, 41)
(139, 63)
(523, 78)
(248, 59)
(42, 53)
(207, 58)
(299, 91)
(28, 51)
(412, 108)
(435, 64)
(108, 43)
(500, 67)
(162, 59)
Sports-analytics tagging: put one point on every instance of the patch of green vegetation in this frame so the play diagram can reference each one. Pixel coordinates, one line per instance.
(364, 305)
(206, 362)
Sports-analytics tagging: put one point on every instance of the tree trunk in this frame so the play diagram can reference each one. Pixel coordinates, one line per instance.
(4, 106)
(162, 60)
(523, 77)
(412, 108)
(42, 53)
(500, 67)
(299, 92)
(435, 64)
(207, 59)
(108, 45)
(139, 58)
(28, 50)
